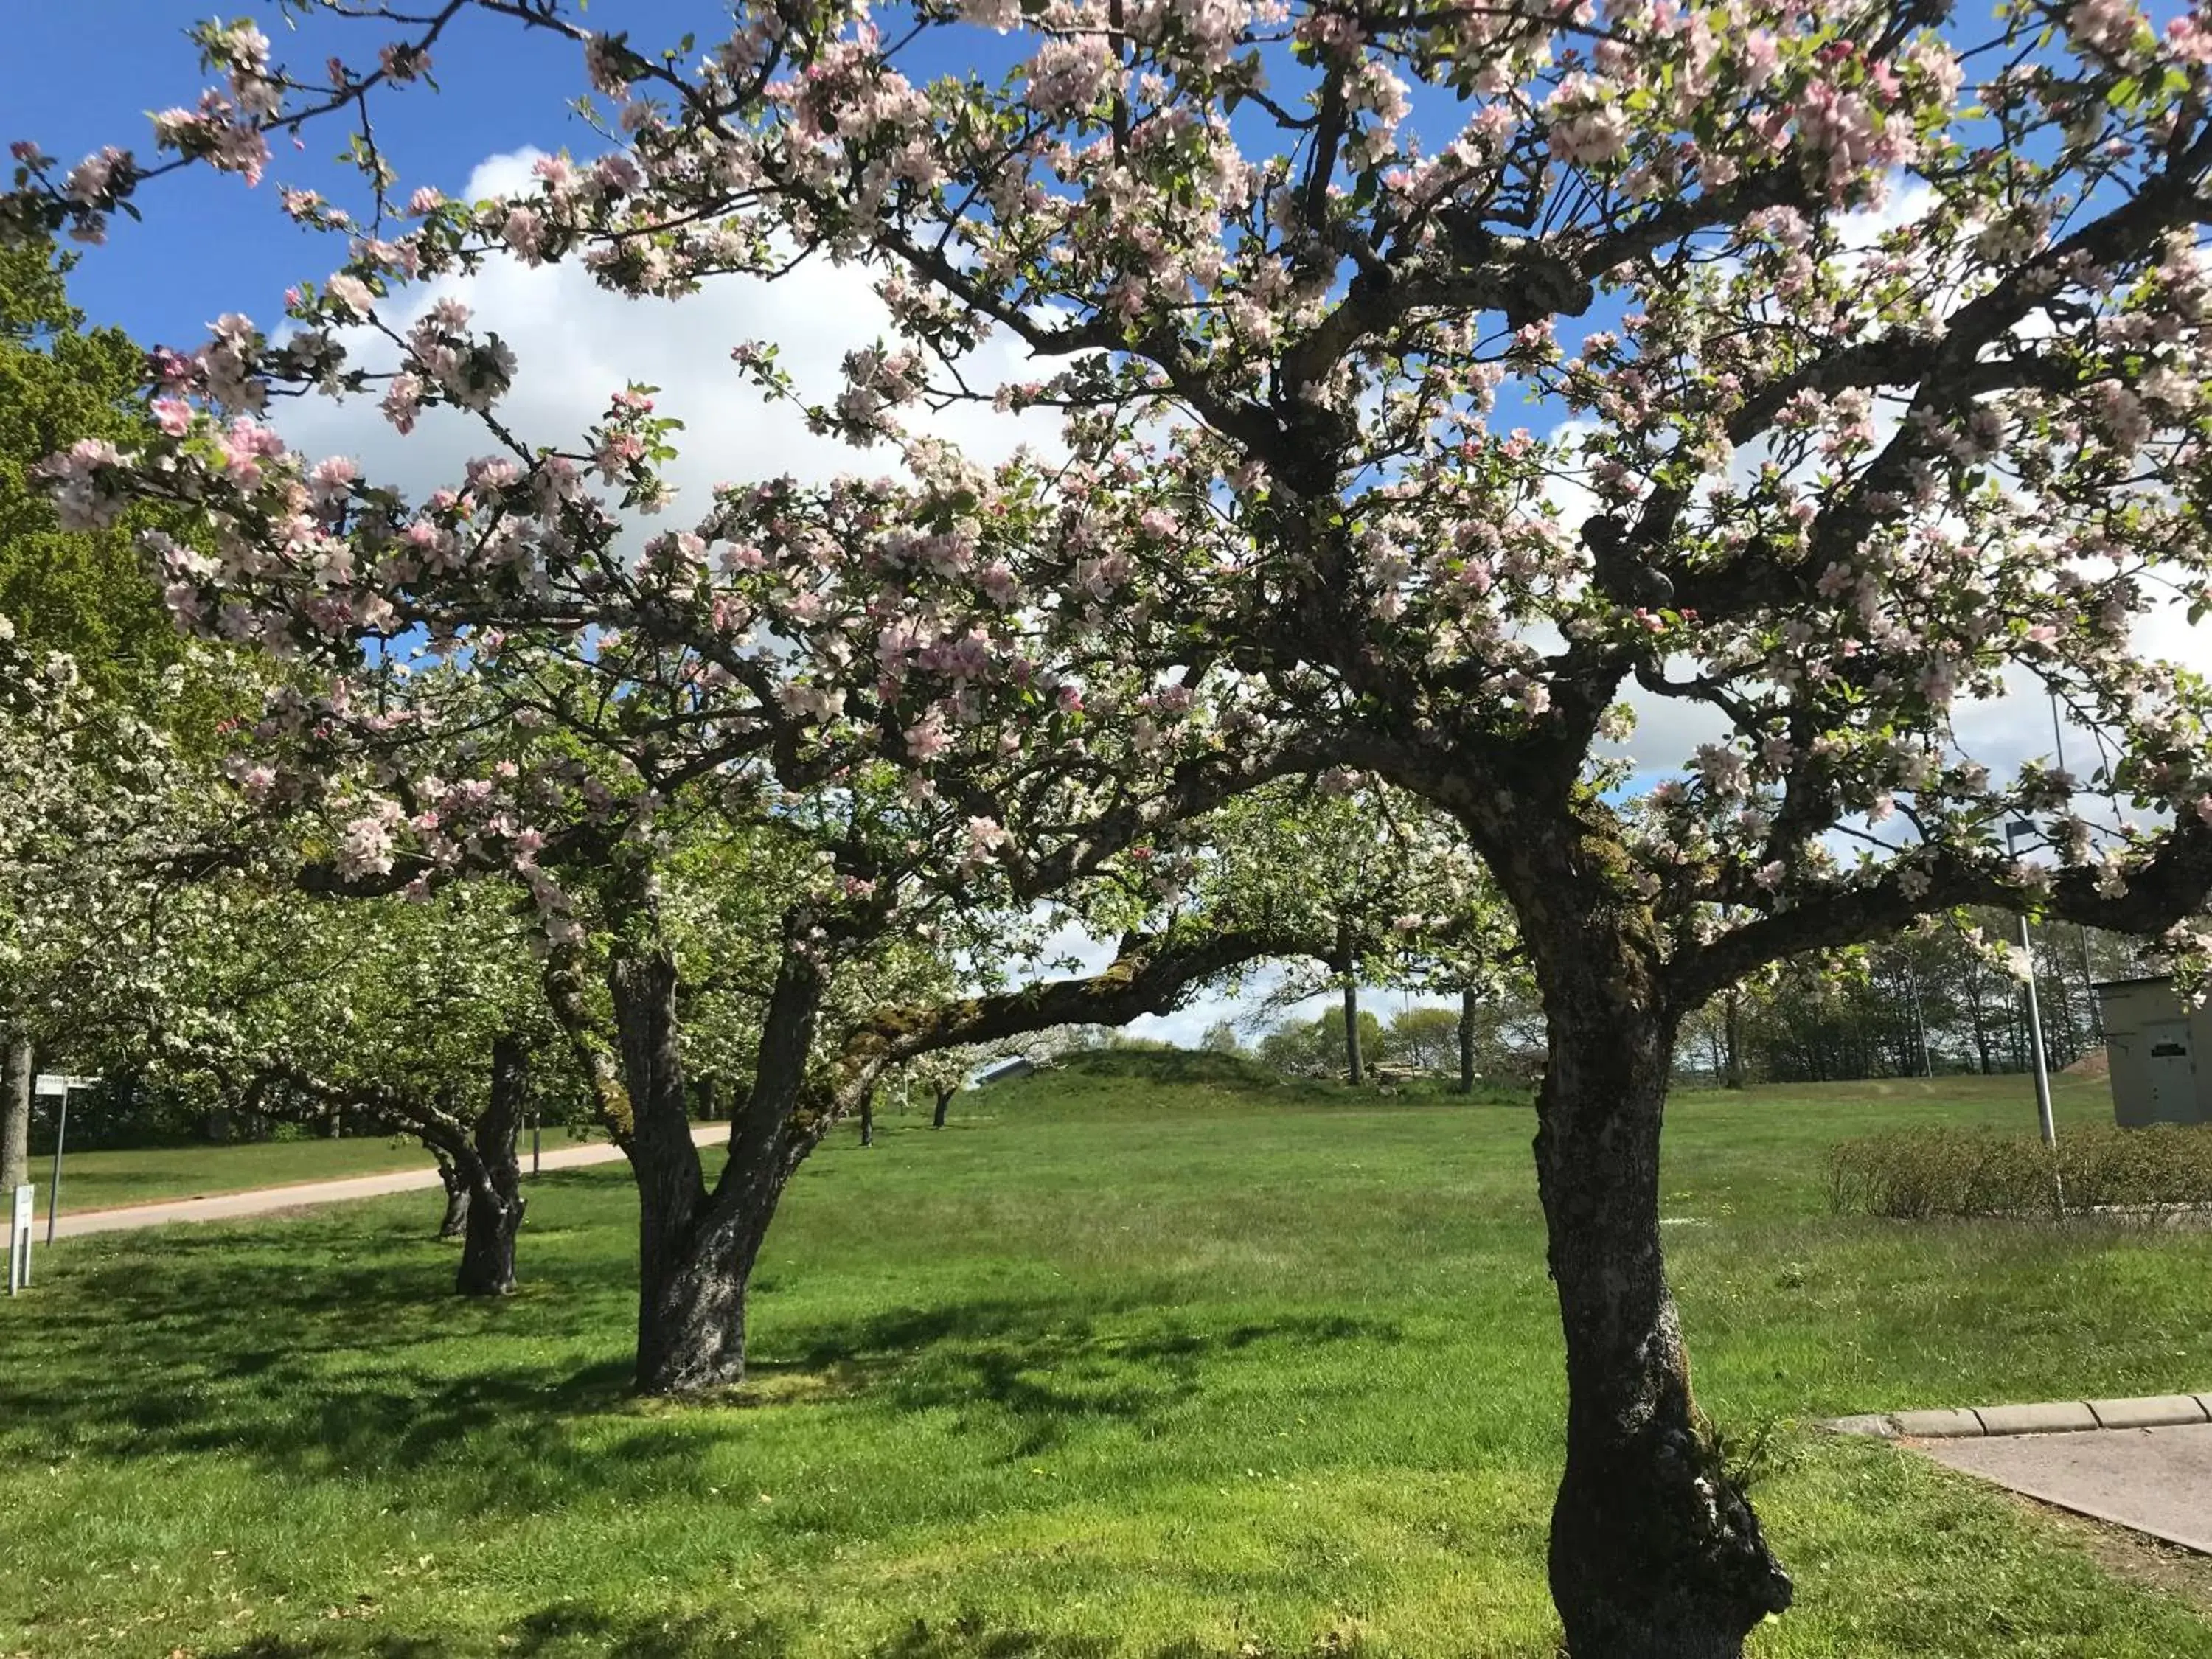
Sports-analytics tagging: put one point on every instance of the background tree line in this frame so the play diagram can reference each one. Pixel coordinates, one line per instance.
(1949, 998)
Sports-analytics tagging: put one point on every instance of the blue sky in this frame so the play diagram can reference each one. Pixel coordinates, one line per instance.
(210, 244)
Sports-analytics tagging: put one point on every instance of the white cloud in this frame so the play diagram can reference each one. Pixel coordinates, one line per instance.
(576, 344)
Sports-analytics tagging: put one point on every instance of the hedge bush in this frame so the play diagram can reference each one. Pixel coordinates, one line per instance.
(1916, 1173)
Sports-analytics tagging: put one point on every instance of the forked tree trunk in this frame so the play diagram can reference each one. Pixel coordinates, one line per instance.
(944, 1103)
(496, 1200)
(16, 1069)
(696, 1250)
(1655, 1554)
(456, 1219)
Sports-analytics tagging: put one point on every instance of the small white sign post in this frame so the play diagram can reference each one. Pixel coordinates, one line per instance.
(19, 1239)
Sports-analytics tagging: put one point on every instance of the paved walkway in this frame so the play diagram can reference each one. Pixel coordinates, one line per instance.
(269, 1200)
(2156, 1481)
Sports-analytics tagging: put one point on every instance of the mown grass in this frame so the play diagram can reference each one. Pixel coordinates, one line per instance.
(103, 1180)
(1135, 1360)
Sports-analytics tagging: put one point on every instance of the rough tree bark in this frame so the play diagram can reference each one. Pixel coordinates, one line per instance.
(16, 1071)
(1655, 1554)
(1467, 1012)
(696, 1249)
(495, 1177)
(456, 1219)
(868, 1118)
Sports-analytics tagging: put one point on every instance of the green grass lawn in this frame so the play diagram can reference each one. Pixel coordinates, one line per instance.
(101, 1181)
(1139, 1366)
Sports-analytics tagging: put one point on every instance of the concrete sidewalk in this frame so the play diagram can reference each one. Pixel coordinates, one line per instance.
(2154, 1481)
(270, 1200)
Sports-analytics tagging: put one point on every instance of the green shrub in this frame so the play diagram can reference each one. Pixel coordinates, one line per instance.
(1915, 1174)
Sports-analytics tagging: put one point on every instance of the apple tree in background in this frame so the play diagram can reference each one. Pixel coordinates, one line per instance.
(1868, 345)
(1379, 877)
(425, 1018)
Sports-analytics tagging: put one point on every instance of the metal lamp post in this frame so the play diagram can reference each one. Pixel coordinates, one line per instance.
(2080, 933)
(2014, 832)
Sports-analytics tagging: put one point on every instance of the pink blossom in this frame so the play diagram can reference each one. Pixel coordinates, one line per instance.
(331, 480)
(90, 180)
(2190, 40)
(1587, 126)
(350, 291)
(403, 398)
(523, 232)
(365, 848)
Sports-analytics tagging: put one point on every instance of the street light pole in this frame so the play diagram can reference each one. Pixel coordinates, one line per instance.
(2080, 933)
(1920, 1022)
(2014, 831)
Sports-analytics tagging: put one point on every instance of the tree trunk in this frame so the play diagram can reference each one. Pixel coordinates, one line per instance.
(496, 1200)
(1655, 1554)
(944, 1102)
(695, 1252)
(1354, 1072)
(17, 1074)
(868, 1118)
(1466, 1008)
(1981, 1026)
(1732, 1019)
(456, 1219)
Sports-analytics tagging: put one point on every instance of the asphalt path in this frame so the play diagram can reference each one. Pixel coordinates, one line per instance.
(275, 1200)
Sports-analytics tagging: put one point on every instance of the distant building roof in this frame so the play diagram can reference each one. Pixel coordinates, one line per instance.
(1019, 1066)
(2136, 979)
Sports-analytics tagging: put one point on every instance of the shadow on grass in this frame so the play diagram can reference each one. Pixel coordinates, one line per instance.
(1049, 1370)
(571, 1629)
(333, 1349)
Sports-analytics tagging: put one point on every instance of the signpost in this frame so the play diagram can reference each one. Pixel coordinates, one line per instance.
(54, 1191)
(19, 1238)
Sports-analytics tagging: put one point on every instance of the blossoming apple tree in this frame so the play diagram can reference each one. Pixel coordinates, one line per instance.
(1384, 884)
(1862, 353)
(815, 686)
(426, 1018)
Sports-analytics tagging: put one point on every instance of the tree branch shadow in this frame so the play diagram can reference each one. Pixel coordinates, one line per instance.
(570, 1630)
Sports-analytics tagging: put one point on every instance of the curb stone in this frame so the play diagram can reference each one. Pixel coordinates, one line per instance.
(2051, 1416)
(2163, 1411)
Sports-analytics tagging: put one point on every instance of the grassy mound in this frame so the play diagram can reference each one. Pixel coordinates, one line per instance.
(1189, 1077)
